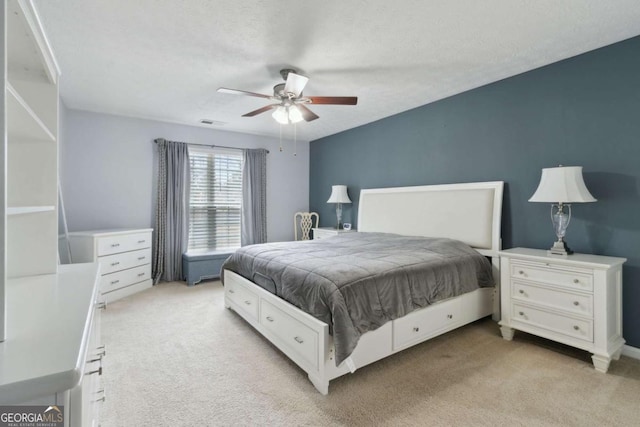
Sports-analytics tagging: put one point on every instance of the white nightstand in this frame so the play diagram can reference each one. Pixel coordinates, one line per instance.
(575, 300)
(324, 232)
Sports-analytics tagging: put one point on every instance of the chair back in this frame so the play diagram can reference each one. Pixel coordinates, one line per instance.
(304, 222)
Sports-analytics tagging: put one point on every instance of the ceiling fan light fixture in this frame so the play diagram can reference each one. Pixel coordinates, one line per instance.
(295, 115)
(280, 115)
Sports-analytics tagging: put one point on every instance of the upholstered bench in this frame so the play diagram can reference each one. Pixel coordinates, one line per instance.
(200, 265)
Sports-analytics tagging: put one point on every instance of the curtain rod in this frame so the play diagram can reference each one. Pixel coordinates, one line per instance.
(212, 146)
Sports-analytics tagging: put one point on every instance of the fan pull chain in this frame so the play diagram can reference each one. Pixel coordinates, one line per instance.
(281, 138)
(295, 139)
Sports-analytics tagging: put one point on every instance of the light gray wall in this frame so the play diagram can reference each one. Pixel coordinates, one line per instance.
(108, 170)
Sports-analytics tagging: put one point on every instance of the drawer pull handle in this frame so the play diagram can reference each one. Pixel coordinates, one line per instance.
(141, 241)
(521, 313)
(270, 319)
(115, 282)
(102, 399)
(97, 371)
(576, 281)
(140, 258)
(231, 291)
(99, 359)
(520, 272)
(576, 303)
(113, 264)
(521, 291)
(449, 316)
(416, 329)
(101, 306)
(299, 340)
(576, 327)
(140, 274)
(115, 245)
(102, 350)
(248, 302)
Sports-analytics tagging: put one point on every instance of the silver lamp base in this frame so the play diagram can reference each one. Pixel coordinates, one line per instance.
(560, 248)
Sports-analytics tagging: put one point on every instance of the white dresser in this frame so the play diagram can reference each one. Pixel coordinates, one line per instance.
(124, 256)
(324, 232)
(575, 300)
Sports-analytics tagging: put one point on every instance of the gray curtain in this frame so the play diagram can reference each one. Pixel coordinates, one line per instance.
(171, 237)
(254, 197)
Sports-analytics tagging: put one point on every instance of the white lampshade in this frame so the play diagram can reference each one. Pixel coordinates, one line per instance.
(563, 184)
(339, 194)
(281, 115)
(295, 115)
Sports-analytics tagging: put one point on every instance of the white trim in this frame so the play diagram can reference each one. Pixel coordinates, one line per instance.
(632, 352)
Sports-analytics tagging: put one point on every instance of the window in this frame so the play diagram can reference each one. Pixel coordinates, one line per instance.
(215, 199)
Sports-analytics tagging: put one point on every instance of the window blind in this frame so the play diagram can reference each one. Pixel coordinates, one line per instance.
(215, 199)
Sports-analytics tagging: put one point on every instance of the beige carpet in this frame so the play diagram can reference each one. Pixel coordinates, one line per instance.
(177, 357)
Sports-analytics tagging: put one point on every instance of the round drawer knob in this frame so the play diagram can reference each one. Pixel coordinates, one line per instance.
(521, 291)
(576, 327)
(576, 281)
(416, 329)
(521, 313)
(520, 272)
(449, 316)
(576, 303)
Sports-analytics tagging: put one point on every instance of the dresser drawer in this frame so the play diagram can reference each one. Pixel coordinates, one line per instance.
(582, 329)
(290, 332)
(123, 243)
(577, 279)
(419, 325)
(562, 300)
(120, 279)
(243, 297)
(123, 261)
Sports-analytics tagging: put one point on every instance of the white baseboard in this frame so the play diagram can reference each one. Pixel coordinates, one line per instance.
(632, 352)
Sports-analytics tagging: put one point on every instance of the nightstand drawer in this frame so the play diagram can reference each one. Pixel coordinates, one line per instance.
(582, 329)
(574, 303)
(577, 279)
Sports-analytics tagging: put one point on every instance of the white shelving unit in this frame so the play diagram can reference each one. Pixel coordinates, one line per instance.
(31, 105)
(40, 304)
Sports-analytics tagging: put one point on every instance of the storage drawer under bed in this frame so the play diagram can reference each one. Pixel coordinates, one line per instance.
(290, 332)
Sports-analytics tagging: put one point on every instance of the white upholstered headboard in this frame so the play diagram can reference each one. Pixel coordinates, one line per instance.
(467, 212)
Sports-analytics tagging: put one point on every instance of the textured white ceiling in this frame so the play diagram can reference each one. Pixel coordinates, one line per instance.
(164, 59)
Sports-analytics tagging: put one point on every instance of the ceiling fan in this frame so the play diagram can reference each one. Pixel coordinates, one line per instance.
(291, 105)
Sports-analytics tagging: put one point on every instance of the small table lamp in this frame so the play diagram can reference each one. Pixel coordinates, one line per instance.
(338, 196)
(561, 186)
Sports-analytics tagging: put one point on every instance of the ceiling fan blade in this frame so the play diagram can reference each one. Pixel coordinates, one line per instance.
(307, 114)
(241, 92)
(333, 100)
(295, 84)
(260, 110)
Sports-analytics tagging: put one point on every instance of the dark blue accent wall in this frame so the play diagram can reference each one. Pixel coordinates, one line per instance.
(584, 111)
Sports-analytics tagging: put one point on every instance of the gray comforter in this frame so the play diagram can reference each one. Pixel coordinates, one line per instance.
(356, 282)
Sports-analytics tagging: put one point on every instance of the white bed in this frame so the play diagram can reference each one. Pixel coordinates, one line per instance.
(467, 212)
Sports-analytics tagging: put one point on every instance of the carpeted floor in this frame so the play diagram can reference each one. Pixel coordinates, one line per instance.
(177, 357)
